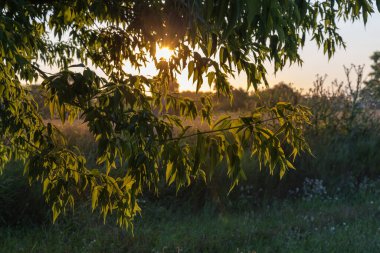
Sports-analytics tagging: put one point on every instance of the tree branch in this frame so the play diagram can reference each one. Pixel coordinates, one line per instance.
(222, 130)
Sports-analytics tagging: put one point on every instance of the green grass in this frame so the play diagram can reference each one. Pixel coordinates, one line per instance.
(349, 223)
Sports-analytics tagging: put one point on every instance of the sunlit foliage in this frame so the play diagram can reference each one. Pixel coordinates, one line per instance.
(139, 144)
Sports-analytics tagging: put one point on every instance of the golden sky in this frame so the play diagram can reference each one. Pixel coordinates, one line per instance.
(361, 42)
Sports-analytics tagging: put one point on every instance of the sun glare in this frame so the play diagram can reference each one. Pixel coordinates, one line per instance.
(150, 69)
(164, 53)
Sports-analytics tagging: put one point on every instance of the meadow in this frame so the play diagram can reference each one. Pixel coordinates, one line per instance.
(330, 203)
(340, 222)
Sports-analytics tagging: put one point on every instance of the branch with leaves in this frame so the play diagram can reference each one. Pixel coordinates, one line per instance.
(211, 40)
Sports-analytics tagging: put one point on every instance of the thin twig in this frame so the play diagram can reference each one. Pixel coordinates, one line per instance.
(221, 130)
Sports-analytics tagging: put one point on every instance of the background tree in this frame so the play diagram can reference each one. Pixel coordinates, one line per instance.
(137, 148)
(279, 92)
(371, 91)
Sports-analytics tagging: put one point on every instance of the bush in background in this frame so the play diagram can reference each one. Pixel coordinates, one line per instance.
(344, 137)
(20, 204)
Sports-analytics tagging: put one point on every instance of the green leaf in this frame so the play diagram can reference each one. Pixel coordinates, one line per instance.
(221, 123)
(190, 67)
(210, 78)
(56, 211)
(202, 175)
(223, 54)
(45, 185)
(169, 175)
(95, 196)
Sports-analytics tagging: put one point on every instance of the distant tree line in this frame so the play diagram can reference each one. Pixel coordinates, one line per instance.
(243, 101)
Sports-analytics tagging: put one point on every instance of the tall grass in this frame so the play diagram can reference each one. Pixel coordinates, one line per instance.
(20, 204)
(330, 223)
(329, 204)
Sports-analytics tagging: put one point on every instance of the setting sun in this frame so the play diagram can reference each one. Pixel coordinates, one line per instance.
(164, 53)
(150, 69)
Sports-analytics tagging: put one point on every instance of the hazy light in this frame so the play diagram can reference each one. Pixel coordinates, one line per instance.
(164, 53)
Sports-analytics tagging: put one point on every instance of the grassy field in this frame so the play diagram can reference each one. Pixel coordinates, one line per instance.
(342, 223)
(331, 203)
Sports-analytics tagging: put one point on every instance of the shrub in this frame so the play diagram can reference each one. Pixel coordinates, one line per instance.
(20, 203)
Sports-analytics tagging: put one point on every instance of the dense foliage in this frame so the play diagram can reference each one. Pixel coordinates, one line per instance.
(371, 92)
(139, 144)
(343, 134)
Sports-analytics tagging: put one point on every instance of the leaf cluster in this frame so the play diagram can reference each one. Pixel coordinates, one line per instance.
(140, 143)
